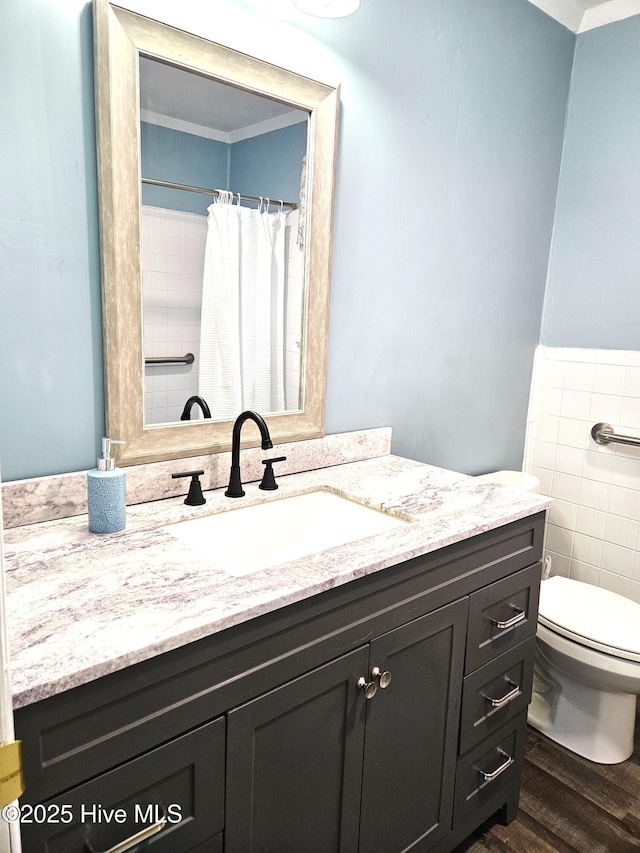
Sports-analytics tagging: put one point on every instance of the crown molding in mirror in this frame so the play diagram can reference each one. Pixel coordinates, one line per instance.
(119, 37)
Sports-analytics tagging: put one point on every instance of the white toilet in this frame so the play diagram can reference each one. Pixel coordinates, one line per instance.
(587, 669)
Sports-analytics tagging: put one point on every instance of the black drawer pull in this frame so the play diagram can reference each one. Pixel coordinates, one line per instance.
(515, 620)
(508, 697)
(489, 777)
(133, 840)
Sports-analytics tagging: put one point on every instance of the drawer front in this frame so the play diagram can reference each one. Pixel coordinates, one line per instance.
(502, 615)
(175, 792)
(496, 693)
(493, 766)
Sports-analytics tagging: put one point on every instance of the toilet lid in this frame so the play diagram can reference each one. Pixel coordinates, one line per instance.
(591, 616)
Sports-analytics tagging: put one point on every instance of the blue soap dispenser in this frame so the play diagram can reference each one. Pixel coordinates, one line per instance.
(106, 493)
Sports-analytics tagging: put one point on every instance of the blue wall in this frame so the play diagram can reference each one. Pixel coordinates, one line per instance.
(181, 158)
(266, 165)
(450, 144)
(51, 386)
(450, 150)
(593, 291)
(271, 164)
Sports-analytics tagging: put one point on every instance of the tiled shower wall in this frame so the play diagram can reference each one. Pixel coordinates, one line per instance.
(593, 527)
(172, 269)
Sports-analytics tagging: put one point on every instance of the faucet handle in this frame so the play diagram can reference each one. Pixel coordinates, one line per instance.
(268, 479)
(195, 496)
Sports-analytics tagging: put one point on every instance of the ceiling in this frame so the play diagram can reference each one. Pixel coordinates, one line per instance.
(183, 100)
(582, 15)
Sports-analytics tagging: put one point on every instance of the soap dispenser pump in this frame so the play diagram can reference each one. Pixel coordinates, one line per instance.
(106, 493)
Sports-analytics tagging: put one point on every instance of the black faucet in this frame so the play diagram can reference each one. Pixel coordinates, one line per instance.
(186, 412)
(235, 489)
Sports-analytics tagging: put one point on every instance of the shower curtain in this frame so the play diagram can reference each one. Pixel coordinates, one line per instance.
(242, 325)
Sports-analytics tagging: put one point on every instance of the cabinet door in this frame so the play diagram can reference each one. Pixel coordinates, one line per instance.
(411, 734)
(294, 764)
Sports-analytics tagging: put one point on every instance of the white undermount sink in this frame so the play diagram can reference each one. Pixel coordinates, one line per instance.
(250, 538)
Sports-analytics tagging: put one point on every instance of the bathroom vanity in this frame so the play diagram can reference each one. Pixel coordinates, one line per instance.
(371, 698)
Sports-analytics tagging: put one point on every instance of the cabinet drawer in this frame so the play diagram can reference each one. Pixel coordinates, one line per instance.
(486, 770)
(496, 693)
(181, 783)
(502, 615)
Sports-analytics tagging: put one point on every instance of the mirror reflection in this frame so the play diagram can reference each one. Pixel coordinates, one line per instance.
(222, 247)
(125, 43)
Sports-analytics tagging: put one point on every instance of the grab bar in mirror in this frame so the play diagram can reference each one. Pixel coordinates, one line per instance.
(180, 359)
(603, 434)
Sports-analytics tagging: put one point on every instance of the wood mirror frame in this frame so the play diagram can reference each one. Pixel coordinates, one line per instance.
(120, 36)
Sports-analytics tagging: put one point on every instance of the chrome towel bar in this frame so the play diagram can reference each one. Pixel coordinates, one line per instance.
(603, 434)
(181, 359)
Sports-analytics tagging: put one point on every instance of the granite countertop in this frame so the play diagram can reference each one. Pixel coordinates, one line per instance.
(81, 606)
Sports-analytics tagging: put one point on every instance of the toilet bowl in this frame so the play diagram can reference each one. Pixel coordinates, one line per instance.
(587, 669)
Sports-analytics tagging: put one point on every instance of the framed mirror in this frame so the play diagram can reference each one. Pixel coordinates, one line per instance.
(141, 66)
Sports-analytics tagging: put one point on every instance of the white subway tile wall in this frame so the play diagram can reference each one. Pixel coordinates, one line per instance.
(593, 527)
(172, 269)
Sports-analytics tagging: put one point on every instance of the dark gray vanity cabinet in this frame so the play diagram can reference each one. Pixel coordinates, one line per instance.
(314, 765)
(261, 739)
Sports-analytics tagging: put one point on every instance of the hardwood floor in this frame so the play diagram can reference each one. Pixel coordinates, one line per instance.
(568, 805)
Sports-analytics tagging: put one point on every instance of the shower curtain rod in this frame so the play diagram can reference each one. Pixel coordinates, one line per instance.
(292, 204)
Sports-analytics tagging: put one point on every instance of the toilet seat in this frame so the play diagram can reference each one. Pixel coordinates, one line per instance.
(591, 616)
